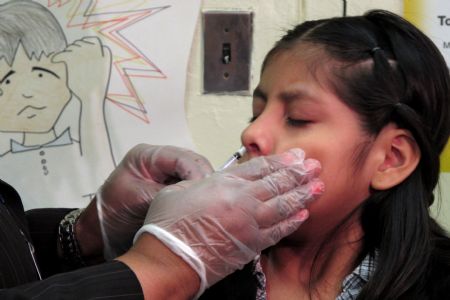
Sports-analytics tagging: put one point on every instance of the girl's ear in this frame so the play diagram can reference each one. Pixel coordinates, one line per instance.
(398, 156)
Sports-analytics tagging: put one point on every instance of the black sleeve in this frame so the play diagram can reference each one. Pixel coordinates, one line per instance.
(43, 228)
(111, 280)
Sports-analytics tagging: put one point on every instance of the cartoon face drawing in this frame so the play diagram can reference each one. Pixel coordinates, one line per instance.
(33, 92)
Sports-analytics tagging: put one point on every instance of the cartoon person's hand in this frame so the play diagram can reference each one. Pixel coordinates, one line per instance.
(88, 64)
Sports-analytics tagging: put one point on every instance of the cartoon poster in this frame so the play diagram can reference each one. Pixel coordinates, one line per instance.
(81, 82)
(433, 18)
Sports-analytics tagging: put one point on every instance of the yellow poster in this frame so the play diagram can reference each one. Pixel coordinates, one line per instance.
(433, 18)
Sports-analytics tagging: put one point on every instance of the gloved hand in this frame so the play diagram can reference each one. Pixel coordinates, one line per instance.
(124, 198)
(220, 223)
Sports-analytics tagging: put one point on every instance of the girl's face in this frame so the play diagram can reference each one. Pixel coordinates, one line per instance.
(292, 108)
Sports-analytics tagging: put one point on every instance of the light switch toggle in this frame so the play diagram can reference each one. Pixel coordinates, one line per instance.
(226, 53)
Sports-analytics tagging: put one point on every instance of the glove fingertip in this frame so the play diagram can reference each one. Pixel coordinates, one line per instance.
(302, 215)
(293, 223)
(317, 187)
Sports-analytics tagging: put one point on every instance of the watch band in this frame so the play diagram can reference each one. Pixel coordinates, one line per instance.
(67, 239)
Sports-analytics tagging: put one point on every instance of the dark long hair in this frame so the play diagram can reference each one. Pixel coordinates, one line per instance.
(386, 70)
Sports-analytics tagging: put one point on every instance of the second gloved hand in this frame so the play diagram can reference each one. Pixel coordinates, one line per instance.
(220, 223)
(124, 198)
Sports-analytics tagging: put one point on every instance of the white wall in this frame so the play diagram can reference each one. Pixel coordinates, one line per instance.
(216, 121)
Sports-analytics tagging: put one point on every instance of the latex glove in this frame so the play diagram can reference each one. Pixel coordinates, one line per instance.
(219, 224)
(124, 198)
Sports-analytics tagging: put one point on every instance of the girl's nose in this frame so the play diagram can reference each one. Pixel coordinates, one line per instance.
(258, 138)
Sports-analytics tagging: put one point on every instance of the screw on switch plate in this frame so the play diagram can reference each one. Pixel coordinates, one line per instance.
(227, 38)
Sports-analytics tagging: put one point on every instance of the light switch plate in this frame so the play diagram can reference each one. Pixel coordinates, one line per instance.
(227, 38)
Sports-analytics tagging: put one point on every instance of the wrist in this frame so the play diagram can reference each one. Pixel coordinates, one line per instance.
(161, 273)
(88, 234)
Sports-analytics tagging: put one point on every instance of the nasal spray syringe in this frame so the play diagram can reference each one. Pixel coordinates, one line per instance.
(237, 155)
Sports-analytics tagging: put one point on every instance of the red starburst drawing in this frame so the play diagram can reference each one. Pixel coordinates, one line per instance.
(109, 19)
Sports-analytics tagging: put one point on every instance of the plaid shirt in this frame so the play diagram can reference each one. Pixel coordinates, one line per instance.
(351, 286)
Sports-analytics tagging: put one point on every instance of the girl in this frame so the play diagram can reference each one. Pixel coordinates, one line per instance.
(368, 97)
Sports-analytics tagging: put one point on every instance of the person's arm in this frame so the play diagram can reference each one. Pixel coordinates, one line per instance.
(161, 273)
(88, 63)
(150, 264)
(112, 280)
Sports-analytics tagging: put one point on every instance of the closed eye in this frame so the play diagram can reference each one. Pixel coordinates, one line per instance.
(297, 122)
